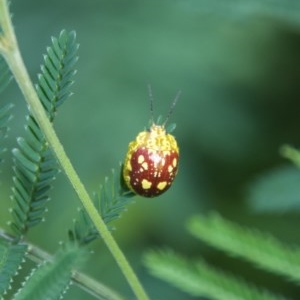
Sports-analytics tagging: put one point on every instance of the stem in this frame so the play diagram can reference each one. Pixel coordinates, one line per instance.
(10, 50)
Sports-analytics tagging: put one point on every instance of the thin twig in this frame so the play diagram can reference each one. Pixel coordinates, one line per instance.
(90, 285)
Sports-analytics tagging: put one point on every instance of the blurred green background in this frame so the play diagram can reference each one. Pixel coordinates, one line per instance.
(237, 64)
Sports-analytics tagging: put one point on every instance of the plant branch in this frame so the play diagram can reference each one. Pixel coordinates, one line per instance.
(10, 50)
(90, 285)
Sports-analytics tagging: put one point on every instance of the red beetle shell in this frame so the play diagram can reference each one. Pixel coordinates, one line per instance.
(151, 163)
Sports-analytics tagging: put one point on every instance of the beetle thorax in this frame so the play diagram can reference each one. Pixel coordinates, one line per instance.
(157, 139)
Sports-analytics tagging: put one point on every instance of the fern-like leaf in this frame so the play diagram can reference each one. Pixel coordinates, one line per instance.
(112, 199)
(5, 116)
(259, 248)
(35, 166)
(58, 72)
(11, 257)
(5, 74)
(51, 279)
(197, 278)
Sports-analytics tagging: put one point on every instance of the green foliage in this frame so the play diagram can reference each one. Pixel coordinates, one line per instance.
(275, 191)
(50, 280)
(259, 248)
(197, 278)
(5, 74)
(11, 257)
(35, 166)
(5, 116)
(233, 55)
(111, 200)
(57, 72)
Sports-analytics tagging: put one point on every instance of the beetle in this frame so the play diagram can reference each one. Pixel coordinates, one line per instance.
(151, 162)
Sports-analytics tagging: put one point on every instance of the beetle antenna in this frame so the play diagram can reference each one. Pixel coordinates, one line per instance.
(151, 99)
(172, 107)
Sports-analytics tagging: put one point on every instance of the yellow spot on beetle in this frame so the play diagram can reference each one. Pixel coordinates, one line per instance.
(146, 184)
(145, 166)
(141, 158)
(162, 185)
(174, 162)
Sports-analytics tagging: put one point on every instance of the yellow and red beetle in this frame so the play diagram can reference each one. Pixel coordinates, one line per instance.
(151, 162)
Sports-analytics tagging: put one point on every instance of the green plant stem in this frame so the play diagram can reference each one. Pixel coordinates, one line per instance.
(10, 50)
